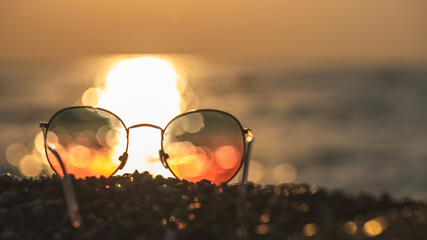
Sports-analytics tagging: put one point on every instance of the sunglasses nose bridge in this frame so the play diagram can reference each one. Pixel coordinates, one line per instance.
(146, 125)
(163, 156)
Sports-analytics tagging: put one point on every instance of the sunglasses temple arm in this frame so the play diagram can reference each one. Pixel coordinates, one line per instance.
(70, 196)
(241, 209)
(67, 185)
(249, 140)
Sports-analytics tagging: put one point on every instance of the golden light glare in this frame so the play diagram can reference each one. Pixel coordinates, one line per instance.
(141, 90)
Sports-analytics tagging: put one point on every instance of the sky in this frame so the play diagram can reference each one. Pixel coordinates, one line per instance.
(300, 30)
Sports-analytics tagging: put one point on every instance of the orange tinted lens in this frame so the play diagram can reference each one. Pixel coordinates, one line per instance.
(204, 145)
(88, 140)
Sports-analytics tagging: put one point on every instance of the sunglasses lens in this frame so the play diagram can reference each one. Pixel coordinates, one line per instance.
(89, 141)
(204, 145)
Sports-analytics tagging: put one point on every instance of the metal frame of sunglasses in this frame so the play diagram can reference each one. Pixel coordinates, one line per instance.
(72, 205)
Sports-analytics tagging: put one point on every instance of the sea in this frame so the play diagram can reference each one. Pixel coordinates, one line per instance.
(350, 127)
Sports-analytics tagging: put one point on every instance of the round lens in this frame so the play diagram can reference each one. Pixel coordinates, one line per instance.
(205, 144)
(89, 141)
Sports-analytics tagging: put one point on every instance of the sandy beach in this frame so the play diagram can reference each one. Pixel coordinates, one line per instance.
(140, 206)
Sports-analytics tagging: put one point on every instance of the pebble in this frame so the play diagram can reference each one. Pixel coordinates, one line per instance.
(147, 178)
(166, 190)
(37, 210)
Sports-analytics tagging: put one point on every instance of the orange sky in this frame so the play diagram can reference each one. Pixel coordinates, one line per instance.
(356, 30)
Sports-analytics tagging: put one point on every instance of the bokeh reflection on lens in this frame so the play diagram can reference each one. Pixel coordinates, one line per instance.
(88, 140)
(204, 145)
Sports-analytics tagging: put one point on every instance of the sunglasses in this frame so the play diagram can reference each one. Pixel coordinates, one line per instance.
(196, 145)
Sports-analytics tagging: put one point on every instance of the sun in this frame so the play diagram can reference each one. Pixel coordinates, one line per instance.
(140, 90)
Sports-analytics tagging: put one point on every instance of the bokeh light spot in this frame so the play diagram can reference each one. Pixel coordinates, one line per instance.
(309, 229)
(375, 226)
(30, 166)
(406, 212)
(303, 207)
(265, 218)
(90, 97)
(285, 173)
(262, 229)
(350, 227)
(15, 153)
(256, 171)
